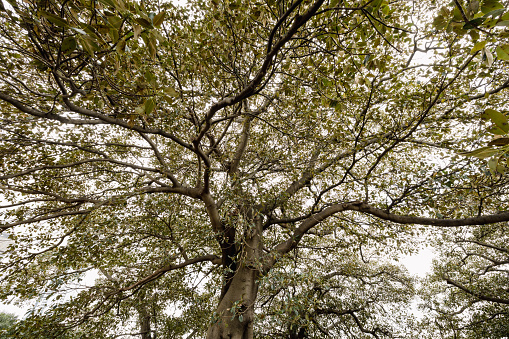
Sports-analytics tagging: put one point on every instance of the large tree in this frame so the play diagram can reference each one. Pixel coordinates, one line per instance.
(242, 169)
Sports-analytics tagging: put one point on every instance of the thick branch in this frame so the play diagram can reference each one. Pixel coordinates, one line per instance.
(406, 219)
(234, 167)
(77, 163)
(299, 232)
(315, 219)
(213, 213)
(244, 138)
(52, 116)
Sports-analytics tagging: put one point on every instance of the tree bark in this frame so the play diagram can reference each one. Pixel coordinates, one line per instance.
(144, 318)
(235, 311)
(145, 327)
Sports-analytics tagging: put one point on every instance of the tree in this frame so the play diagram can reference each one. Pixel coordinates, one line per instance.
(7, 321)
(242, 169)
(471, 281)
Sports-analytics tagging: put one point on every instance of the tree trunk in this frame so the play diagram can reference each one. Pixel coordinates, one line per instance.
(235, 311)
(144, 317)
(145, 327)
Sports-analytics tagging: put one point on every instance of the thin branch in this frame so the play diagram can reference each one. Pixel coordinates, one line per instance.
(158, 273)
(475, 294)
(502, 249)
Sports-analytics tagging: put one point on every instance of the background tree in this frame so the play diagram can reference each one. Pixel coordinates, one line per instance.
(7, 322)
(468, 293)
(227, 166)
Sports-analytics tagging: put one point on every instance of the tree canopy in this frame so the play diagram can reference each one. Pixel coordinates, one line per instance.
(253, 169)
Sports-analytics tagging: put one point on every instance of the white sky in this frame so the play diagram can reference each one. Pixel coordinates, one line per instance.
(419, 264)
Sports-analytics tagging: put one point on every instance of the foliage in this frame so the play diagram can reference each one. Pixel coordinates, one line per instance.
(252, 169)
(7, 320)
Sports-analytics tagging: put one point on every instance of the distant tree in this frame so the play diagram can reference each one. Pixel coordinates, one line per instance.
(7, 322)
(468, 295)
(240, 169)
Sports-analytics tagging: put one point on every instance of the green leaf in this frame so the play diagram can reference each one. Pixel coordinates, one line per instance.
(145, 23)
(69, 44)
(496, 13)
(495, 130)
(503, 52)
(158, 19)
(503, 23)
(499, 142)
(150, 104)
(108, 3)
(115, 21)
(79, 30)
(120, 47)
(440, 23)
(473, 23)
(478, 46)
(90, 31)
(137, 31)
(171, 92)
(113, 33)
(474, 6)
(88, 45)
(456, 14)
(152, 48)
(120, 6)
(498, 119)
(55, 19)
(492, 164)
(490, 5)
(481, 153)
(474, 34)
